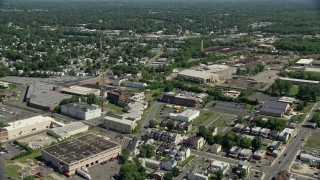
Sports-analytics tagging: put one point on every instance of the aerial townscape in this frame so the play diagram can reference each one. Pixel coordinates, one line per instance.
(159, 89)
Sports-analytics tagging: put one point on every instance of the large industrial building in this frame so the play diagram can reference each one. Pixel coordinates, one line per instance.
(276, 109)
(25, 127)
(42, 95)
(201, 77)
(180, 99)
(119, 124)
(186, 116)
(68, 130)
(80, 90)
(85, 151)
(81, 110)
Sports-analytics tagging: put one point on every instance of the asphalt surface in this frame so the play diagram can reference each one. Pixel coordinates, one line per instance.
(3, 167)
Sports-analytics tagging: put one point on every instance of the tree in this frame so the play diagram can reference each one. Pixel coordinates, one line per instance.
(300, 107)
(126, 154)
(239, 120)
(29, 178)
(219, 174)
(132, 171)
(170, 125)
(175, 171)
(152, 124)
(92, 99)
(150, 151)
(256, 143)
(168, 176)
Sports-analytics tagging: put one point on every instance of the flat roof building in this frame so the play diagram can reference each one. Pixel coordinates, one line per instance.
(180, 99)
(304, 62)
(299, 81)
(68, 130)
(186, 116)
(28, 126)
(42, 96)
(201, 77)
(273, 108)
(81, 110)
(85, 151)
(80, 90)
(120, 124)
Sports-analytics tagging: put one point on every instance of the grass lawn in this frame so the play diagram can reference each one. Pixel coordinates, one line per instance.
(294, 91)
(115, 108)
(264, 147)
(188, 160)
(308, 108)
(219, 123)
(204, 116)
(32, 156)
(12, 171)
(311, 143)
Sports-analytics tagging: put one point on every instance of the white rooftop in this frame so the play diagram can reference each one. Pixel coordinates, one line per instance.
(220, 164)
(194, 73)
(28, 122)
(69, 128)
(123, 120)
(304, 61)
(189, 112)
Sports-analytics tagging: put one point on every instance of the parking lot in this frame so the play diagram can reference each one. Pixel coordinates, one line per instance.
(9, 114)
(9, 150)
(230, 108)
(102, 171)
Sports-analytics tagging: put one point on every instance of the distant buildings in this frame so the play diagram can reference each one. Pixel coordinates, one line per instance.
(80, 90)
(81, 110)
(201, 77)
(186, 116)
(85, 151)
(68, 130)
(304, 62)
(119, 97)
(232, 94)
(181, 99)
(126, 83)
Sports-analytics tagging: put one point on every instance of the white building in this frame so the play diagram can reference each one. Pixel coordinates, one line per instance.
(168, 165)
(4, 84)
(68, 130)
(201, 77)
(304, 62)
(28, 126)
(132, 84)
(232, 94)
(186, 116)
(81, 111)
(120, 124)
(219, 166)
(197, 174)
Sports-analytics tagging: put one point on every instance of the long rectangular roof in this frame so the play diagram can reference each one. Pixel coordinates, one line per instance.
(28, 122)
(80, 148)
(194, 73)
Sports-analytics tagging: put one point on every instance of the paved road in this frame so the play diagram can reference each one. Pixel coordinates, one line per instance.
(154, 58)
(3, 167)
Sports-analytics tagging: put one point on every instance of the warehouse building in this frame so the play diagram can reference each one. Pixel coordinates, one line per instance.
(28, 126)
(85, 151)
(42, 96)
(304, 62)
(68, 130)
(81, 110)
(186, 116)
(180, 99)
(276, 109)
(119, 124)
(201, 77)
(80, 90)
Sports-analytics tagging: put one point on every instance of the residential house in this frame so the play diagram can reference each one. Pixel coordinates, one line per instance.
(274, 134)
(276, 145)
(168, 165)
(246, 130)
(234, 151)
(150, 163)
(185, 126)
(216, 166)
(195, 142)
(255, 130)
(286, 134)
(243, 166)
(259, 154)
(265, 132)
(238, 127)
(197, 174)
(216, 148)
(245, 154)
(156, 176)
(183, 153)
